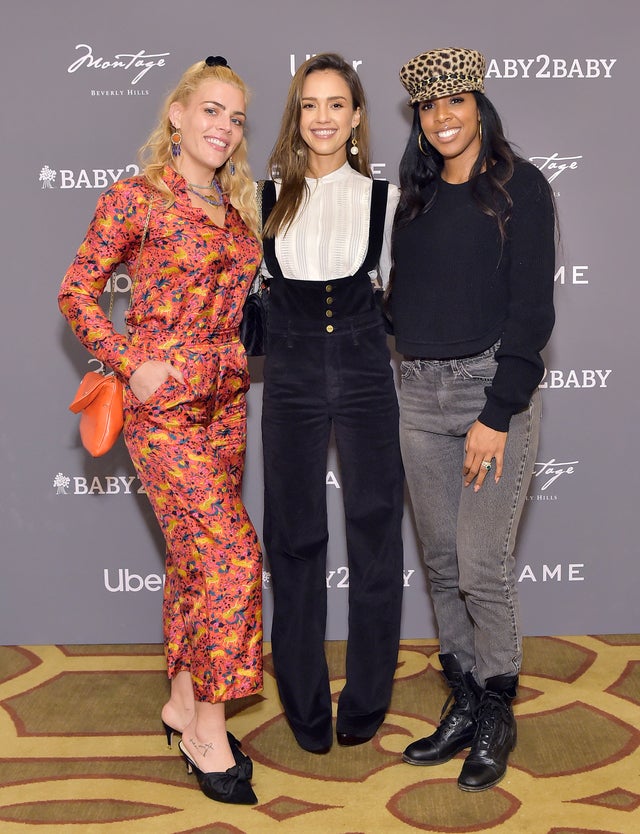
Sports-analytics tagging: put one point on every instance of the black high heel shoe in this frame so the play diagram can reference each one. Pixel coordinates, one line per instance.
(234, 744)
(232, 786)
(170, 732)
(240, 757)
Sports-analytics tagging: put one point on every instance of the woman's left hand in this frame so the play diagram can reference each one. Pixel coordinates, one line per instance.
(483, 445)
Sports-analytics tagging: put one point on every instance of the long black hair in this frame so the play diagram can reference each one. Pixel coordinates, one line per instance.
(420, 171)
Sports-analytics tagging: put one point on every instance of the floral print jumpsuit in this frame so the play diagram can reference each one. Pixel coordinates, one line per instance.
(187, 441)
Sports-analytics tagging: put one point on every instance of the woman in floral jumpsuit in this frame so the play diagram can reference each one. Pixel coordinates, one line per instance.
(185, 376)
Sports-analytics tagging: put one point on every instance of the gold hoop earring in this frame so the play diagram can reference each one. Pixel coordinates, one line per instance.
(422, 150)
(480, 129)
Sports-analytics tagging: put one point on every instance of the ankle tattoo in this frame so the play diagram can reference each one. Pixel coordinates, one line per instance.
(203, 748)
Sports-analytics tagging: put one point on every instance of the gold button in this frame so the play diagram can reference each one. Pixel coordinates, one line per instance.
(329, 313)
(329, 300)
(329, 328)
(328, 288)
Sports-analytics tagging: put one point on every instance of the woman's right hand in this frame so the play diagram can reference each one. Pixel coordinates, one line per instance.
(148, 377)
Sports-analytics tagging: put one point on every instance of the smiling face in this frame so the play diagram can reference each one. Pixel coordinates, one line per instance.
(327, 117)
(452, 126)
(212, 126)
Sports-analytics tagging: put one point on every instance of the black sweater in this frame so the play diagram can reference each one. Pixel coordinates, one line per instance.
(455, 293)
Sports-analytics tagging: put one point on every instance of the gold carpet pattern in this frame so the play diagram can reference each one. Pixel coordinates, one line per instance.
(83, 750)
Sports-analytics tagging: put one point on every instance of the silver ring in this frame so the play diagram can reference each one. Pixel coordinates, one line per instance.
(486, 465)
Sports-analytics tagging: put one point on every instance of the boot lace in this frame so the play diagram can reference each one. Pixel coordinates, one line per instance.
(493, 717)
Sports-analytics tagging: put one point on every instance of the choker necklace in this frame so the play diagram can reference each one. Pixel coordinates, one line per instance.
(213, 201)
(212, 184)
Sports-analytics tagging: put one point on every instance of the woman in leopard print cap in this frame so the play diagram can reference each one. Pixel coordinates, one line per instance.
(472, 304)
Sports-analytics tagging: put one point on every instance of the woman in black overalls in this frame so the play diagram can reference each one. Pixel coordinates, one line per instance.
(328, 365)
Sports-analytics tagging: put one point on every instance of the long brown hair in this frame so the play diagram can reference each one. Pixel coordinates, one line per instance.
(289, 157)
(156, 151)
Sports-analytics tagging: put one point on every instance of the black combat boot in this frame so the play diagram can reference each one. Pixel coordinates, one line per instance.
(495, 737)
(457, 726)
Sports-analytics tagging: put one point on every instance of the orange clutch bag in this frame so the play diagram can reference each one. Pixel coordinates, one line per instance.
(98, 400)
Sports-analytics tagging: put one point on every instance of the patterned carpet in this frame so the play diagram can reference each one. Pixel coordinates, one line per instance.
(83, 750)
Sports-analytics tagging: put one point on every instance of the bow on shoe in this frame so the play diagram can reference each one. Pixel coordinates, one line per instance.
(232, 786)
(222, 786)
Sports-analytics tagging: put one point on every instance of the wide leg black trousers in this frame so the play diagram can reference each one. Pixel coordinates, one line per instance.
(314, 380)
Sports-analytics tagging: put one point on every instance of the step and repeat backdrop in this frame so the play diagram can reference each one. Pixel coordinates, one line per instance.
(82, 83)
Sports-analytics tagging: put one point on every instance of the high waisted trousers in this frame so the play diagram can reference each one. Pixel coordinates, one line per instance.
(314, 380)
(187, 443)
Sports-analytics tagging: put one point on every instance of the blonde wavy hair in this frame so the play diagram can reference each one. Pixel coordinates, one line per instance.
(155, 154)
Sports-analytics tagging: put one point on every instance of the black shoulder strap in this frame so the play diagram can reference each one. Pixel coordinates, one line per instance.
(377, 217)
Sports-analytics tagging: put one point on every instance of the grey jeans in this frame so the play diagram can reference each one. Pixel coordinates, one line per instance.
(468, 537)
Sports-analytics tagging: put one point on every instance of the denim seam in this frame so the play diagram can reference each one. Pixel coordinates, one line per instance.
(509, 534)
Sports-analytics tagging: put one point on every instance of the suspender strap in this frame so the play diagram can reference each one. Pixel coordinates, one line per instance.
(269, 243)
(376, 224)
(268, 199)
(377, 216)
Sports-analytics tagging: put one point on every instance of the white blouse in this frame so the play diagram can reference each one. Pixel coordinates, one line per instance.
(328, 237)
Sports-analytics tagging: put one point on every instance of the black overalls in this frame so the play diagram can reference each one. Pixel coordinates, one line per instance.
(328, 364)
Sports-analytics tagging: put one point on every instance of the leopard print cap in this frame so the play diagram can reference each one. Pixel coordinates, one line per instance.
(443, 72)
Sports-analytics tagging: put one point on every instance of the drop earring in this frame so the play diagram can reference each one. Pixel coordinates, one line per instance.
(353, 150)
(232, 166)
(176, 139)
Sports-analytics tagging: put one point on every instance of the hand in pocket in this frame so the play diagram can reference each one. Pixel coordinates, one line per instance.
(149, 376)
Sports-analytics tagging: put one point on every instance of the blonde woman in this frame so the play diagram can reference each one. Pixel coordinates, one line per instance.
(185, 377)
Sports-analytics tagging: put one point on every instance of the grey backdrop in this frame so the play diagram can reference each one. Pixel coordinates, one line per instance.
(82, 560)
